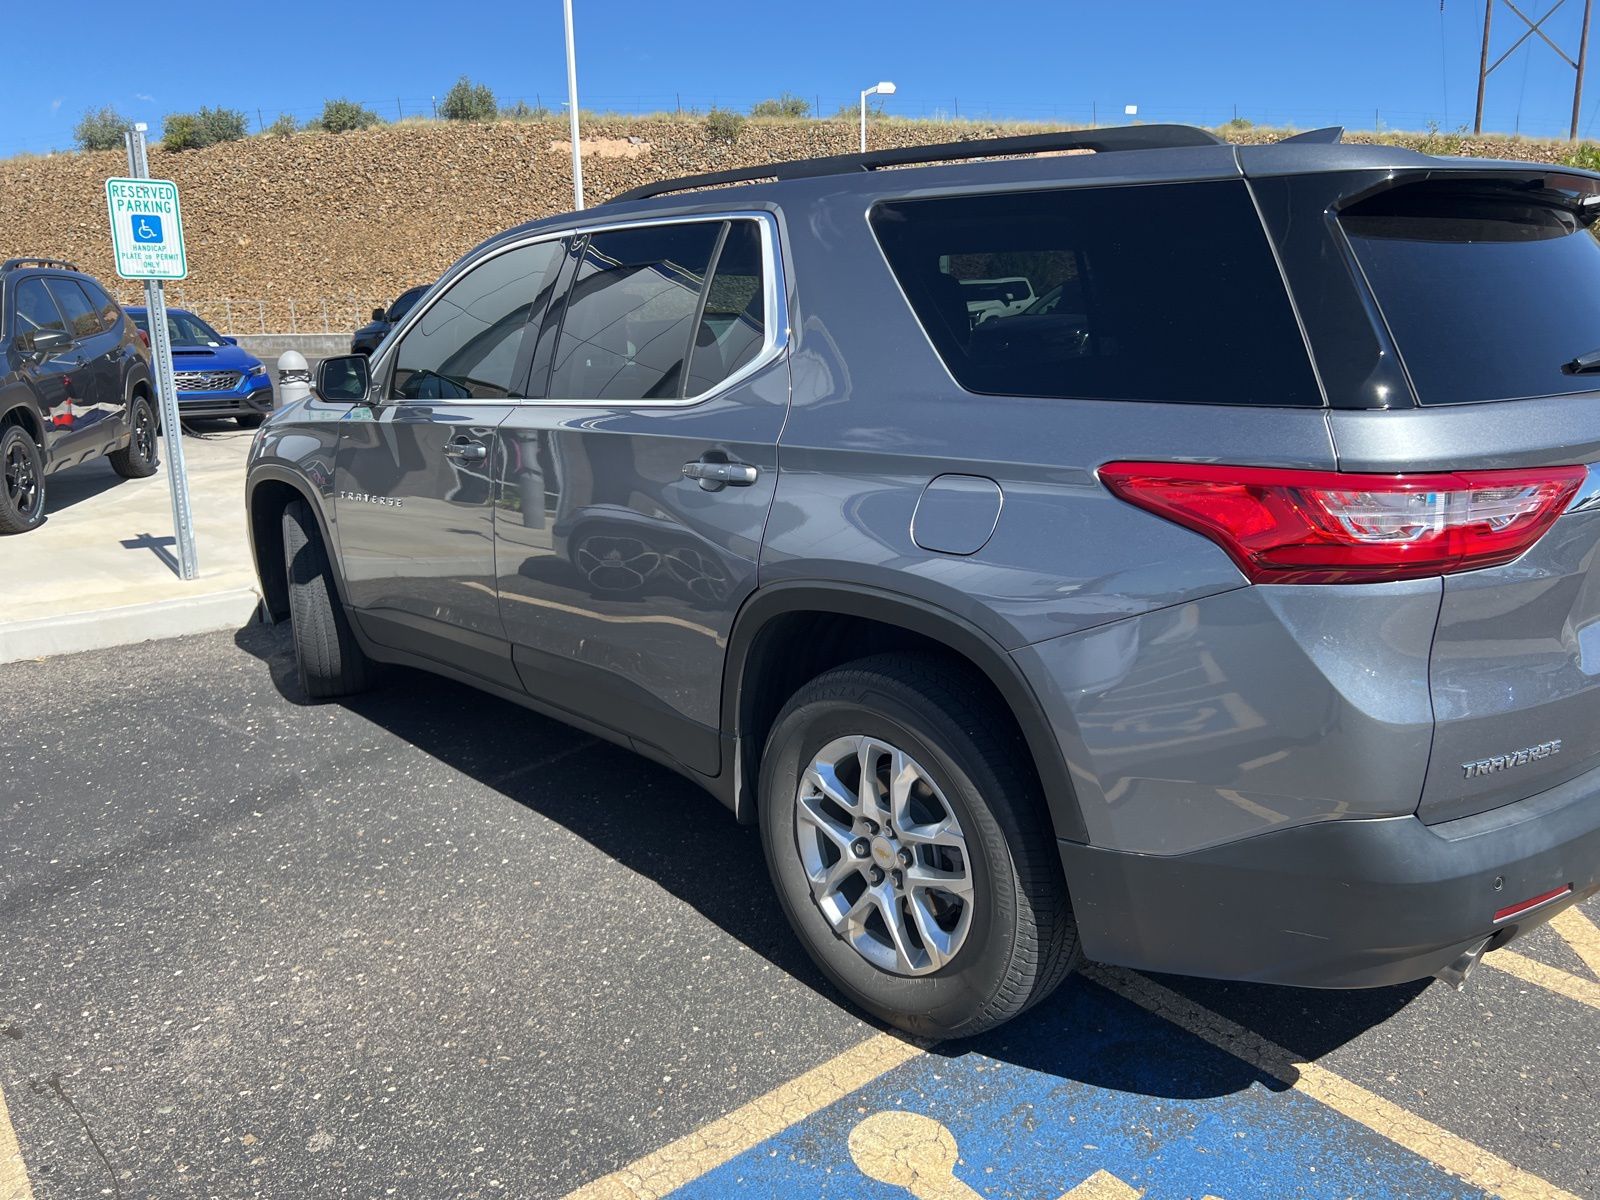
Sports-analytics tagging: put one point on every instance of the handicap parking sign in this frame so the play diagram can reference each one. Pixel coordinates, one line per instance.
(146, 228)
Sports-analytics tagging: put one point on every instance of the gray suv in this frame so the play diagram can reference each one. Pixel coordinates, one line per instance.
(1231, 610)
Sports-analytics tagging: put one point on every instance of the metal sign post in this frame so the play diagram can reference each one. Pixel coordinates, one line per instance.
(147, 235)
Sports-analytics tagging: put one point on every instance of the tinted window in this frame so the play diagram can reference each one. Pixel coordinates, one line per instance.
(406, 300)
(465, 346)
(186, 329)
(1489, 287)
(82, 320)
(36, 312)
(630, 312)
(732, 325)
(1166, 293)
(104, 305)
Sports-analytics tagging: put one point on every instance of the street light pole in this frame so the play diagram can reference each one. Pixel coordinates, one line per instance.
(878, 89)
(572, 110)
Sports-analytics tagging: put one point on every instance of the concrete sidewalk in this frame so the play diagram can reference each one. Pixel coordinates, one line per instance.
(102, 570)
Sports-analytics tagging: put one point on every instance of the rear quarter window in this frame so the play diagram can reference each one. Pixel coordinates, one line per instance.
(1163, 293)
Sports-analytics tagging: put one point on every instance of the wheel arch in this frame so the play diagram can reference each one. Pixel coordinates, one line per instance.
(20, 412)
(268, 493)
(762, 669)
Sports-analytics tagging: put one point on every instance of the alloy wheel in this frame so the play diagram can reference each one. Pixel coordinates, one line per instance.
(22, 481)
(144, 434)
(885, 855)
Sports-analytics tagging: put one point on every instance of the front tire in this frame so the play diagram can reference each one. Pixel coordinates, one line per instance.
(905, 831)
(21, 481)
(330, 660)
(138, 459)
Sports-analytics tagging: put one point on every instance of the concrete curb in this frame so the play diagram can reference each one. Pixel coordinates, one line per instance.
(73, 633)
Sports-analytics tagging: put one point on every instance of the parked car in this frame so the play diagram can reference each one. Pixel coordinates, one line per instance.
(996, 297)
(1226, 615)
(74, 385)
(216, 377)
(365, 340)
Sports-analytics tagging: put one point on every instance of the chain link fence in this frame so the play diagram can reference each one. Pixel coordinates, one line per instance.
(270, 314)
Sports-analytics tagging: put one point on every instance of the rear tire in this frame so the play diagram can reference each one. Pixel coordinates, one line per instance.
(971, 780)
(21, 481)
(138, 459)
(330, 660)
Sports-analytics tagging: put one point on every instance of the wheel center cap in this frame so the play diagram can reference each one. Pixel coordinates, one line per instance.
(883, 852)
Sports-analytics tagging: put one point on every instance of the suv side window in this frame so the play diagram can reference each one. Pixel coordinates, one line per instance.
(36, 312)
(467, 345)
(630, 312)
(82, 320)
(732, 326)
(1162, 292)
(104, 305)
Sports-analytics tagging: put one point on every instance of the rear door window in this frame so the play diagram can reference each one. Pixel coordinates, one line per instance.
(1489, 286)
(1159, 292)
(104, 305)
(82, 319)
(732, 327)
(631, 311)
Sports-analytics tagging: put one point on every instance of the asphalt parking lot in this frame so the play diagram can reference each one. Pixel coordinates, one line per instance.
(428, 944)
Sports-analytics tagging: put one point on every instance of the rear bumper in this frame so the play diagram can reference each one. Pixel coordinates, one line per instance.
(1340, 904)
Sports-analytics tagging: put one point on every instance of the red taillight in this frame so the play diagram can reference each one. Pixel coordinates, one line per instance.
(1287, 526)
(143, 337)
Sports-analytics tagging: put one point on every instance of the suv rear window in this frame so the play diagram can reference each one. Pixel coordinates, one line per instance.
(1158, 292)
(1489, 286)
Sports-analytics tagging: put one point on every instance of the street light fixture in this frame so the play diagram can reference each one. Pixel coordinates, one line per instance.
(878, 89)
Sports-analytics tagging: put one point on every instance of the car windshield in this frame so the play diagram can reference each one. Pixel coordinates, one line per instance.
(184, 329)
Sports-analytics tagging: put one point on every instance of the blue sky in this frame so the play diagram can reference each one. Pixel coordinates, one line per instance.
(1306, 62)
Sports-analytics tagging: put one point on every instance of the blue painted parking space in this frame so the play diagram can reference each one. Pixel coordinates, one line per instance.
(1108, 1102)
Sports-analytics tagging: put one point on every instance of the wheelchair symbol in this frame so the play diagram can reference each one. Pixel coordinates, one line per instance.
(917, 1153)
(146, 228)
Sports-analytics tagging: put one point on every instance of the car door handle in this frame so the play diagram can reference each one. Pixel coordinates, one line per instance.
(467, 451)
(714, 476)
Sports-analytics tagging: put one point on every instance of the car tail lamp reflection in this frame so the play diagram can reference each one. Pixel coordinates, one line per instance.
(143, 337)
(1289, 526)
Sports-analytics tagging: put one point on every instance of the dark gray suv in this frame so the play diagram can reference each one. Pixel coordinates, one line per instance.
(1229, 609)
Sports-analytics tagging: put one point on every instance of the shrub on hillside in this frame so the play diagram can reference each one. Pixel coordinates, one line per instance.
(468, 101)
(191, 131)
(1585, 155)
(283, 127)
(341, 116)
(523, 111)
(101, 129)
(723, 126)
(786, 105)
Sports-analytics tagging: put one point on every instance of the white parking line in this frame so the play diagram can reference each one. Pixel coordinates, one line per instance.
(14, 1183)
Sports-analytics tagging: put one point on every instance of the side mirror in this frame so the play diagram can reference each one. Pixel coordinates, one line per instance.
(230, 341)
(344, 380)
(378, 314)
(44, 342)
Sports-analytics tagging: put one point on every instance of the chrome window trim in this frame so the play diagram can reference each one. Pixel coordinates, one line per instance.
(775, 334)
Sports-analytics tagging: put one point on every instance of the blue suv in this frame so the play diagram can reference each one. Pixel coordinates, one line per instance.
(216, 376)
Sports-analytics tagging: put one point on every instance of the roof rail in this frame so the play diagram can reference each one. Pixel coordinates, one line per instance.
(60, 264)
(1120, 137)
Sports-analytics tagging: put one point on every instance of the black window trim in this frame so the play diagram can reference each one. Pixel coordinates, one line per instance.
(774, 346)
(968, 191)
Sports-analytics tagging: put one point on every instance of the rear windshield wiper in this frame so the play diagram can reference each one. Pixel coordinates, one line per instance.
(1584, 364)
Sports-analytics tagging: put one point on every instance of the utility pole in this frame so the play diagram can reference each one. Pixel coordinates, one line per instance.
(572, 111)
(1578, 65)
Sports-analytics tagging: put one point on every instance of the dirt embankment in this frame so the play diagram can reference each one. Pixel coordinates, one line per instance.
(297, 231)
